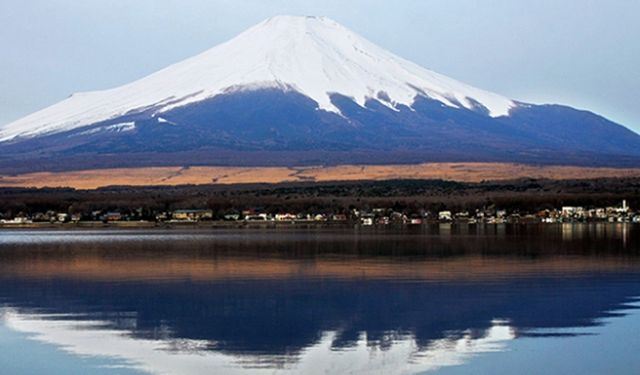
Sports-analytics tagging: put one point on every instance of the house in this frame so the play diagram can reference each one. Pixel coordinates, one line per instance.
(339, 217)
(445, 216)
(383, 220)
(232, 217)
(398, 217)
(162, 216)
(257, 217)
(622, 210)
(112, 216)
(530, 219)
(570, 212)
(462, 216)
(192, 215)
(600, 213)
(304, 217)
(17, 220)
(367, 219)
(286, 217)
(39, 216)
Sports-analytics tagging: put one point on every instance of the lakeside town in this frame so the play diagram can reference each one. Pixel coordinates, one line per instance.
(370, 217)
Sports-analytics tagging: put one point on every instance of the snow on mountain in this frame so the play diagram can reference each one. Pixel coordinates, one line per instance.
(314, 56)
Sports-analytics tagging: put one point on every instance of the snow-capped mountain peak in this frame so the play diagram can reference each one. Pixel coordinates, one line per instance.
(314, 56)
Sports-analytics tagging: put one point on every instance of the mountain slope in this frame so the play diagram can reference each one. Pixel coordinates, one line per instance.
(313, 56)
(304, 90)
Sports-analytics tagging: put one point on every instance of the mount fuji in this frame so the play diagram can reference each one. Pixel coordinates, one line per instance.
(304, 91)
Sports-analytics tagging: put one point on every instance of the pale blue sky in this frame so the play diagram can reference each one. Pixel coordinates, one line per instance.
(585, 53)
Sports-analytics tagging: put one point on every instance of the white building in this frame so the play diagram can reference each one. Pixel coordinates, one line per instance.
(445, 216)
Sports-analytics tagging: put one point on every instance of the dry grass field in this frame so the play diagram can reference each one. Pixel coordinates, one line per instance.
(157, 176)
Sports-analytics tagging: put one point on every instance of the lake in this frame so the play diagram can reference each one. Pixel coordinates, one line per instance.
(443, 299)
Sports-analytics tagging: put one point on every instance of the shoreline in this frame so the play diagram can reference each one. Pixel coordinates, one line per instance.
(277, 225)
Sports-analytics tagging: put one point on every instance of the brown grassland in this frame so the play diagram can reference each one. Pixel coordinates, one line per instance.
(174, 176)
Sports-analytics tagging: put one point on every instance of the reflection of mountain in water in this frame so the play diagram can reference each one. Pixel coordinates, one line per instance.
(186, 356)
(278, 317)
(274, 318)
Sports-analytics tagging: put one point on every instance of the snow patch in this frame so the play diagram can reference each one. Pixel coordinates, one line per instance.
(115, 128)
(163, 120)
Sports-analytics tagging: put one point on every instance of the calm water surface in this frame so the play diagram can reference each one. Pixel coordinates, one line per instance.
(553, 299)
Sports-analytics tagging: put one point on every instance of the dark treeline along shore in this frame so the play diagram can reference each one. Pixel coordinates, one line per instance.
(409, 196)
